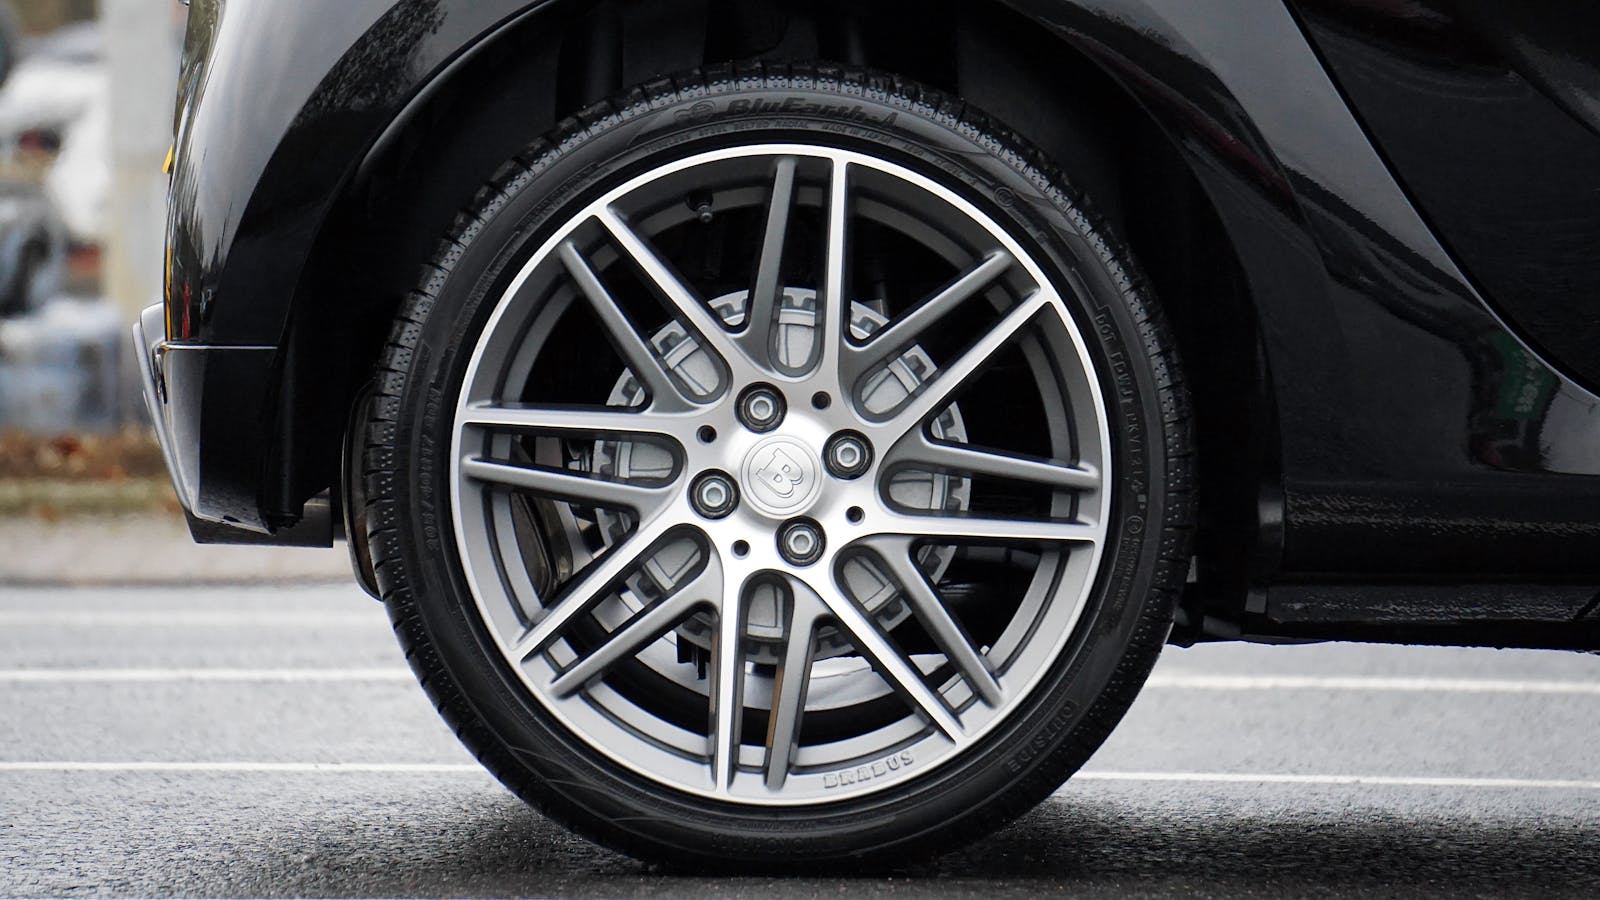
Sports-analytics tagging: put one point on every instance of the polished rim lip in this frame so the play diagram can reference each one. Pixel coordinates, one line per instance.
(1101, 517)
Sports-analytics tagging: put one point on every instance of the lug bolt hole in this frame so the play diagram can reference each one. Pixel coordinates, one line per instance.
(741, 549)
(821, 400)
(855, 514)
(848, 455)
(714, 495)
(706, 434)
(800, 542)
(761, 408)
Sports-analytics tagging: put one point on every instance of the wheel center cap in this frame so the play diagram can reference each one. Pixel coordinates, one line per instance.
(781, 476)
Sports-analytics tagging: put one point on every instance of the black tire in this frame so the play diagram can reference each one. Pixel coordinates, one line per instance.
(1002, 776)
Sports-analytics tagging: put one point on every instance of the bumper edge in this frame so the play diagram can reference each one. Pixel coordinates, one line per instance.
(205, 403)
(149, 344)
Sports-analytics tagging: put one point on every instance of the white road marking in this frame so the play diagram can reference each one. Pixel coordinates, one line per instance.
(266, 768)
(1160, 681)
(1364, 780)
(1183, 681)
(189, 618)
(346, 768)
(55, 676)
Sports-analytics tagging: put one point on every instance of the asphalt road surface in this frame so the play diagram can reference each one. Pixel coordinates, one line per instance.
(267, 742)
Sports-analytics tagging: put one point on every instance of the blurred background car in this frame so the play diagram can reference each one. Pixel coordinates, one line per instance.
(54, 118)
(45, 87)
(62, 365)
(86, 90)
(32, 249)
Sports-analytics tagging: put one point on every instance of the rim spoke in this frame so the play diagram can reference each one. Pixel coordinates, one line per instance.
(900, 335)
(727, 688)
(940, 391)
(835, 306)
(790, 684)
(922, 452)
(896, 669)
(644, 627)
(603, 422)
(562, 485)
(981, 528)
(936, 618)
(592, 585)
(635, 350)
(768, 287)
(695, 314)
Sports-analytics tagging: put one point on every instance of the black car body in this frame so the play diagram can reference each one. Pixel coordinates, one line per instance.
(1394, 206)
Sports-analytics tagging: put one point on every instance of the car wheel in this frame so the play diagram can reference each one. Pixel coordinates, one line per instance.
(780, 464)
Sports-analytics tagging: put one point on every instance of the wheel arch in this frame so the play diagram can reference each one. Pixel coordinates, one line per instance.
(1035, 79)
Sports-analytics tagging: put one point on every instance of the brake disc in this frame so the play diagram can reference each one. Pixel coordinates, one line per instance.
(795, 343)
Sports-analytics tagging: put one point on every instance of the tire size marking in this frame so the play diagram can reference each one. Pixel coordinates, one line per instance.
(1044, 740)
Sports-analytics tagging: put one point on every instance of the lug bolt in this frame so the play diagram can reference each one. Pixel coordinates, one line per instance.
(800, 542)
(714, 495)
(848, 455)
(761, 408)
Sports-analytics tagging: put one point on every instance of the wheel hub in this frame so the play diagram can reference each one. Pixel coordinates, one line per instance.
(782, 475)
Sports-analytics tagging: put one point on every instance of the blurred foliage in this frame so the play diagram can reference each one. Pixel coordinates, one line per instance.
(64, 475)
(49, 500)
(119, 456)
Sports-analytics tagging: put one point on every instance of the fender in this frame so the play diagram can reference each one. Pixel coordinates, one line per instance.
(1377, 451)
(280, 102)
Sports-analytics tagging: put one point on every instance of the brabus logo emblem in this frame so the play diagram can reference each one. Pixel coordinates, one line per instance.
(879, 769)
(780, 474)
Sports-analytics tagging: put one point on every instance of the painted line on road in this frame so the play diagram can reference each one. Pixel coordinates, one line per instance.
(1181, 681)
(124, 618)
(1359, 780)
(346, 768)
(264, 768)
(97, 676)
(1160, 681)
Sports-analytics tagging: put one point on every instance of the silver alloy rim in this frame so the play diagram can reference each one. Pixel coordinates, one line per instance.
(616, 635)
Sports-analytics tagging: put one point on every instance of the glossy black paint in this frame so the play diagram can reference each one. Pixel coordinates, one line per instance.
(282, 101)
(1409, 433)
(1400, 397)
(1490, 114)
